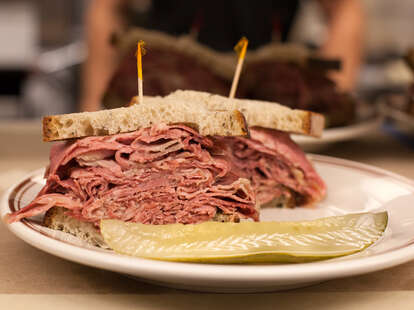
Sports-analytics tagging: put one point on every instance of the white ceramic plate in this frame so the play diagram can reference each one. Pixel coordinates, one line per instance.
(352, 187)
(367, 121)
(338, 134)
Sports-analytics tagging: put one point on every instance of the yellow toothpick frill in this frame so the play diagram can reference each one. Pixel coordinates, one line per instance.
(140, 53)
(240, 49)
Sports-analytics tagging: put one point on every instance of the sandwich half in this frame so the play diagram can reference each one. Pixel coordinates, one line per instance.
(185, 158)
(151, 163)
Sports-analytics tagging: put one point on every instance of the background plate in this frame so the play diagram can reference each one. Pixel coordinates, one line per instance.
(338, 134)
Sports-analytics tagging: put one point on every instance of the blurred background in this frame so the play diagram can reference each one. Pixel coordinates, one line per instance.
(43, 47)
(29, 30)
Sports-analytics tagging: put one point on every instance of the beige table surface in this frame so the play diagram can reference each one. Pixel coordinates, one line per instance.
(32, 279)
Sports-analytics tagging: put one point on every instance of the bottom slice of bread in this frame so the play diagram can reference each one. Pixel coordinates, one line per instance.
(55, 218)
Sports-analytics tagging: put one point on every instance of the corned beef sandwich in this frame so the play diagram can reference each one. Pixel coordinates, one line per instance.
(185, 158)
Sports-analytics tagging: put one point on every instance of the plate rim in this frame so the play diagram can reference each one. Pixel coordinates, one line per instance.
(153, 269)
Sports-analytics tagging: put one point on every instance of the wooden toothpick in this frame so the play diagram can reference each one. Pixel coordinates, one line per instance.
(240, 49)
(140, 53)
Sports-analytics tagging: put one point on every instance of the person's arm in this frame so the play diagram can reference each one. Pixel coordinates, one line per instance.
(102, 20)
(345, 38)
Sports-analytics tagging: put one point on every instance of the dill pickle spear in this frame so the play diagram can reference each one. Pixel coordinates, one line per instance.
(247, 242)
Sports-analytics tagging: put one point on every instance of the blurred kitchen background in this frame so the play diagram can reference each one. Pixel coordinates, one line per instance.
(42, 50)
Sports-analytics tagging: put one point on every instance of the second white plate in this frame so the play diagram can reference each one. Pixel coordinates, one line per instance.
(338, 134)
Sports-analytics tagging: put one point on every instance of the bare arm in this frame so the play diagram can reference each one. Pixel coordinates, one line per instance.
(345, 38)
(102, 19)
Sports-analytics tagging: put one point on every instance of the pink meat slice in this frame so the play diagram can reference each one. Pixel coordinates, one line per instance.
(157, 175)
(276, 166)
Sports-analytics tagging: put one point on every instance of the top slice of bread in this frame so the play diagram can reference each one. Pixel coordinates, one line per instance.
(154, 110)
(258, 113)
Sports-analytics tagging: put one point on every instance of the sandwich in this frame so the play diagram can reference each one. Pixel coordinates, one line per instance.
(184, 158)
(172, 63)
(285, 73)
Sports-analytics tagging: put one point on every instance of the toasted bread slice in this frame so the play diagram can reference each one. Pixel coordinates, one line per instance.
(258, 113)
(154, 110)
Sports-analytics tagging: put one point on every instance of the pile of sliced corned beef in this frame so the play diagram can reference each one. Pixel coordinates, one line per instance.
(158, 175)
(171, 174)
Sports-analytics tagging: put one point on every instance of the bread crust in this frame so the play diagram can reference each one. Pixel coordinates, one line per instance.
(154, 110)
(240, 119)
(314, 124)
(47, 127)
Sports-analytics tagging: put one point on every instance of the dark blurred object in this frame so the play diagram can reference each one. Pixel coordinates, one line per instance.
(409, 58)
(11, 91)
(164, 72)
(11, 80)
(323, 64)
(300, 87)
(219, 24)
(411, 100)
